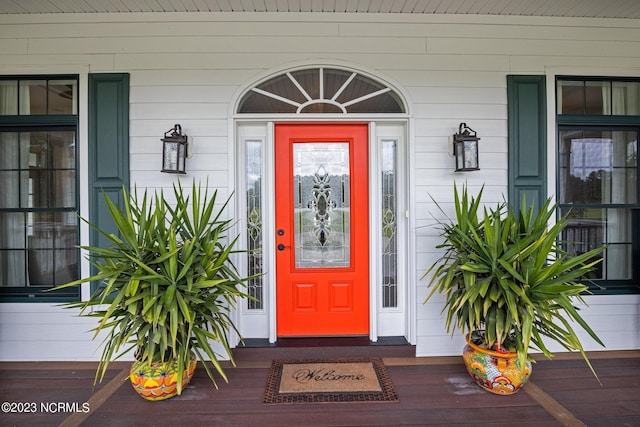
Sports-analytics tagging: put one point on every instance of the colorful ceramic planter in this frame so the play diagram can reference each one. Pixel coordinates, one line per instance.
(159, 381)
(494, 371)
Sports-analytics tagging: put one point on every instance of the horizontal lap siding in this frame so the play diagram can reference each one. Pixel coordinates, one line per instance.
(37, 332)
(188, 68)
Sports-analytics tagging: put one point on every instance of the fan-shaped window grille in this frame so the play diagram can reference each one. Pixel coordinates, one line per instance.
(321, 90)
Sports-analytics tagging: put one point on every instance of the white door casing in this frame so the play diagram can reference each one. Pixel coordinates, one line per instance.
(391, 314)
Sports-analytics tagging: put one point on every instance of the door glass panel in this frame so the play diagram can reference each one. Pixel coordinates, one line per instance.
(254, 223)
(321, 176)
(389, 225)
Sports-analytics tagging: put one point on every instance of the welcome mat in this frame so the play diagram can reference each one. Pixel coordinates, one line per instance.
(329, 380)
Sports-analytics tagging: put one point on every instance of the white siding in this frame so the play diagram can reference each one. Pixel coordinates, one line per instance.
(187, 68)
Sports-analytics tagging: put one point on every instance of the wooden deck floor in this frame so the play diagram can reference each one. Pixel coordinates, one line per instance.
(432, 391)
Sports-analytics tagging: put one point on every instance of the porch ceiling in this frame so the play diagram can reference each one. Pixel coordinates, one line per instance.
(557, 8)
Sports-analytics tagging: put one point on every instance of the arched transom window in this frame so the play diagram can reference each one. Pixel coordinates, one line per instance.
(321, 90)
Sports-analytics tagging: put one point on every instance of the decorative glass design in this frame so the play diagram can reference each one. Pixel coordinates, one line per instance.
(254, 223)
(321, 91)
(389, 224)
(321, 204)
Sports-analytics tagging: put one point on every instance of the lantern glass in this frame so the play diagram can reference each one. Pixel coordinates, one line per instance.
(173, 158)
(468, 155)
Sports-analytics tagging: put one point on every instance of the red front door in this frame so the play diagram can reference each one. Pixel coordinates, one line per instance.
(322, 229)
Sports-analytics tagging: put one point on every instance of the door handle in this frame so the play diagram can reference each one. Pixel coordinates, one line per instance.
(281, 246)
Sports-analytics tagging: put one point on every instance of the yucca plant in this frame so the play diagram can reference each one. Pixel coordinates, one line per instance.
(507, 281)
(167, 283)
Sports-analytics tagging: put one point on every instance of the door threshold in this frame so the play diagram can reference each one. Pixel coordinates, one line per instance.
(357, 341)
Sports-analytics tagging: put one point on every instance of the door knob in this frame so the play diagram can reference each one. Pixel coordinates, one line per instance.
(281, 247)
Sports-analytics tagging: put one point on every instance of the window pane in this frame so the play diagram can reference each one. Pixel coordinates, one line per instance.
(13, 249)
(49, 267)
(13, 266)
(321, 107)
(570, 96)
(358, 87)
(37, 175)
(13, 230)
(9, 199)
(38, 149)
(586, 231)
(254, 222)
(309, 80)
(12, 156)
(283, 86)
(8, 97)
(255, 102)
(626, 98)
(382, 103)
(322, 207)
(40, 244)
(592, 228)
(389, 225)
(334, 80)
(9, 150)
(598, 97)
(63, 193)
(598, 166)
(62, 97)
(33, 97)
(63, 149)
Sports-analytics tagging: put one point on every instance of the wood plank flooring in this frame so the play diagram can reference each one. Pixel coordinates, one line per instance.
(432, 392)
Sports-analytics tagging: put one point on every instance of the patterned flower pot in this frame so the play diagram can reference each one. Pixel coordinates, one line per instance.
(494, 371)
(159, 381)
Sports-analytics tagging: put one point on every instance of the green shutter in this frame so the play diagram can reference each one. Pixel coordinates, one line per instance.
(108, 148)
(526, 97)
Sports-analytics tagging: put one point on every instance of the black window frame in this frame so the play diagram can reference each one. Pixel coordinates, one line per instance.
(46, 123)
(608, 122)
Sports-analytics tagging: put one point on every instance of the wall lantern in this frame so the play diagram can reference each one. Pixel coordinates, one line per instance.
(174, 150)
(465, 149)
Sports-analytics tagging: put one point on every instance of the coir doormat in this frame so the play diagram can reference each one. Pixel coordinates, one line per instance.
(329, 380)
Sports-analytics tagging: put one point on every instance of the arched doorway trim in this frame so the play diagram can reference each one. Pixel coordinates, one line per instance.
(321, 90)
